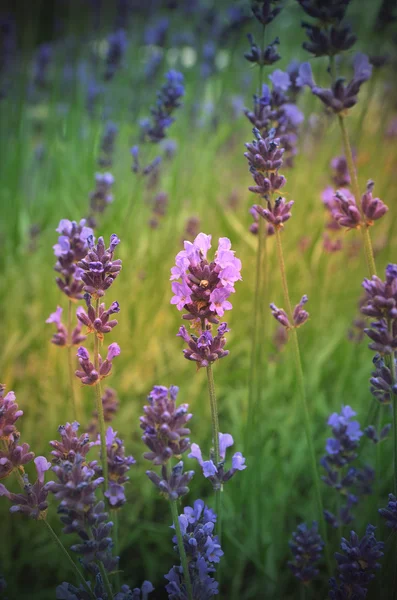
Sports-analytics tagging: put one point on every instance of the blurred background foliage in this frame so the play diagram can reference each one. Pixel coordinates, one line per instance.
(49, 145)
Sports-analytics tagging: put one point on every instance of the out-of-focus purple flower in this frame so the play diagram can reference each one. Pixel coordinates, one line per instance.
(42, 63)
(216, 473)
(356, 566)
(164, 425)
(141, 593)
(204, 349)
(110, 404)
(88, 374)
(33, 501)
(266, 57)
(307, 547)
(118, 465)
(168, 100)
(340, 97)
(390, 513)
(155, 33)
(107, 145)
(101, 323)
(72, 246)
(117, 44)
(203, 551)
(266, 12)
(98, 269)
(299, 316)
(376, 437)
(341, 177)
(382, 386)
(172, 485)
(9, 414)
(61, 337)
(102, 196)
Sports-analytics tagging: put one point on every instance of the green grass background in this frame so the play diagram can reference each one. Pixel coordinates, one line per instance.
(263, 505)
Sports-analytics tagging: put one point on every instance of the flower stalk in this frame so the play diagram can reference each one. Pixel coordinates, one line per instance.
(215, 436)
(99, 405)
(181, 548)
(76, 408)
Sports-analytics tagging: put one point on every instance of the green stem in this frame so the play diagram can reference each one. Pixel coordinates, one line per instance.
(105, 579)
(76, 409)
(115, 518)
(303, 399)
(215, 437)
(181, 548)
(392, 367)
(67, 556)
(332, 68)
(99, 405)
(369, 253)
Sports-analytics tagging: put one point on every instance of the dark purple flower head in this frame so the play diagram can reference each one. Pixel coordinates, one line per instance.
(102, 196)
(205, 285)
(117, 43)
(340, 97)
(266, 57)
(327, 12)
(204, 349)
(164, 425)
(72, 246)
(373, 208)
(101, 323)
(390, 513)
(299, 316)
(341, 448)
(307, 548)
(265, 11)
(172, 485)
(98, 269)
(61, 337)
(330, 41)
(277, 213)
(217, 473)
(118, 466)
(382, 386)
(356, 565)
(381, 296)
(33, 501)
(168, 100)
(71, 444)
(88, 374)
(141, 593)
(9, 414)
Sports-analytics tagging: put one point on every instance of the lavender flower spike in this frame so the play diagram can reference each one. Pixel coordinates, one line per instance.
(61, 337)
(98, 269)
(88, 374)
(172, 485)
(33, 502)
(204, 349)
(118, 466)
(299, 315)
(9, 414)
(307, 547)
(390, 513)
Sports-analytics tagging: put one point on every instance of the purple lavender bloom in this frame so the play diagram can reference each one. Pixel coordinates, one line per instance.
(88, 374)
(107, 145)
(266, 57)
(117, 45)
(118, 465)
(71, 444)
(61, 337)
(204, 349)
(382, 386)
(164, 425)
(307, 547)
(340, 97)
(266, 12)
(14, 456)
(102, 196)
(9, 414)
(390, 513)
(203, 551)
(341, 177)
(376, 437)
(98, 269)
(101, 323)
(172, 485)
(72, 246)
(373, 208)
(216, 473)
(168, 100)
(356, 565)
(299, 315)
(328, 42)
(42, 63)
(155, 33)
(33, 501)
(141, 593)
(381, 296)
(201, 278)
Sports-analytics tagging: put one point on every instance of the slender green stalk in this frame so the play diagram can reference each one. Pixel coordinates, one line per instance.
(369, 253)
(68, 558)
(76, 408)
(105, 579)
(99, 405)
(115, 518)
(215, 436)
(181, 548)
(303, 399)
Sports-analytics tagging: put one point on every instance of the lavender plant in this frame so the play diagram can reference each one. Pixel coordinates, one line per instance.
(307, 548)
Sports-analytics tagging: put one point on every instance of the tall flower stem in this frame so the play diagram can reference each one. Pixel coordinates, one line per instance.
(215, 436)
(68, 558)
(105, 579)
(392, 366)
(181, 548)
(369, 253)
(115, 518)
(99, 405)
(303, 398)
(76, 408)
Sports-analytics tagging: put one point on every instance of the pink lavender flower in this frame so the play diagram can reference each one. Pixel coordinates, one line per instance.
(164, 425)
(299, 315)
(118, 465)
(216, 473)
(98, 269)
(88, 373)
(61, 337)
(205, 285)
(72, 246)
(9, 414)
(33, 501)
(102, 323)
